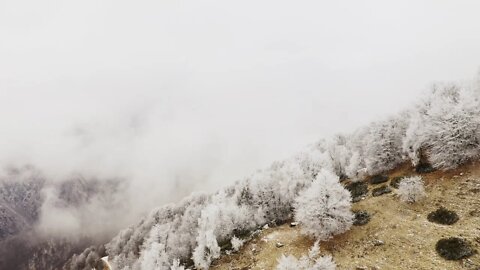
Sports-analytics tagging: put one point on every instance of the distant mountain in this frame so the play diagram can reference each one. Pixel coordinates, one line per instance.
(21, 199)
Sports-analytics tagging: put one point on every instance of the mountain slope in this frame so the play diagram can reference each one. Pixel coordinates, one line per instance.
(398, 235)
(441, 131)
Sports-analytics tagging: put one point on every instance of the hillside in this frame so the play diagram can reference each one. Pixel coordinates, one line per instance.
(437, 136)
(398, 235)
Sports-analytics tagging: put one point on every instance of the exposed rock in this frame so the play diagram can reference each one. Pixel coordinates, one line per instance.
(443, 216)
(454, 248)
(381, 190)
(279, 245)
(378, 243)
(357, 199)
(293, 224)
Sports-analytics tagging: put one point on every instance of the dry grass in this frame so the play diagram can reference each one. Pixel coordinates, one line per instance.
(409, 238)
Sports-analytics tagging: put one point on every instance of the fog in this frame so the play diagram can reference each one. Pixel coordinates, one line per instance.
(182, 96)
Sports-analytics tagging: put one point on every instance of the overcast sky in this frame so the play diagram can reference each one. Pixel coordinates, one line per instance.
(166, 93)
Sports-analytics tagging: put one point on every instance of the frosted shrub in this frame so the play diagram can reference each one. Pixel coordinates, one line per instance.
(292, 263)
(310, 262)
(411, 189)
(236, 243)
(323, 209)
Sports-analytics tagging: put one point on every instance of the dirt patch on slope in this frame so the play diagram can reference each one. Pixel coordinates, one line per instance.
(398, 236)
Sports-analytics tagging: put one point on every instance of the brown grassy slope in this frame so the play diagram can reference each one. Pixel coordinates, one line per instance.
(409, 238)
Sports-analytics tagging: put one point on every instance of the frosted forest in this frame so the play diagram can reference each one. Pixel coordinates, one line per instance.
(441, 131)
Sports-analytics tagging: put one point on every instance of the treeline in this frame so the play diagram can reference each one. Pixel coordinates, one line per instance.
(442, 131)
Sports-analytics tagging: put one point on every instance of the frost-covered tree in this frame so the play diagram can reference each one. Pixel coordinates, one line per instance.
(384, 144)
(275, 189)
(411, 189)
(356, 151)
(156, 257)
(265, 197)
(171, 227)
(354, 167)
(315, 158)
(445, 127)
(207, 250)
(323, 209)
(311, 262)
(217, 224)
(339, 155)
(455, 130)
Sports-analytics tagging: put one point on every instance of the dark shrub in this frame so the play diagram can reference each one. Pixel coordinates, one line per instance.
(378, 179)
(454, 248)
(424, 167)
(381, 190)
(396, 181)
(362, 217)
(225, 245)
(443, 216)
(357, 190)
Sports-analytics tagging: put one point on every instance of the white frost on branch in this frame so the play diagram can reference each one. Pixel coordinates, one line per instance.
(411, 189)
(311, 262)
(323, 210)
(236, 243)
